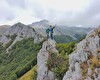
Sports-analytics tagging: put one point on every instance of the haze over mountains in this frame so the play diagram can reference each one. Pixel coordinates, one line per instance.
(40, 27)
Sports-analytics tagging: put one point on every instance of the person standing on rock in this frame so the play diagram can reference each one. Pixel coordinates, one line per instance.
(51, 31)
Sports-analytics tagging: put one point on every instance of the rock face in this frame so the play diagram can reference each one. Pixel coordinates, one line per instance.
(4, 40)
(21, 30)
(40, 24)
(18, 32)
(43, 72)
(85, 60)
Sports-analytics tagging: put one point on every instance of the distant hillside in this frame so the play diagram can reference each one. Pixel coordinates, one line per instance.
(18, 51)
(40, 24)
(20, 59)
(18, 32)
(40, 27)
(63, 39)
(3, 29)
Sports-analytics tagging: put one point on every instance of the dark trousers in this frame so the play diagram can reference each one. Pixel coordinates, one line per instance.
(51, 35)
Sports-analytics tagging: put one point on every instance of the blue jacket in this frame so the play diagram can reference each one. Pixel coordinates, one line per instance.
(51, 30)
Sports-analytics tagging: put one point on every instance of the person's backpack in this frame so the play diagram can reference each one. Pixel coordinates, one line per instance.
(47, 30)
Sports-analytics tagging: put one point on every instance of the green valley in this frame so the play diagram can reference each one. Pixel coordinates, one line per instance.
(20, 59)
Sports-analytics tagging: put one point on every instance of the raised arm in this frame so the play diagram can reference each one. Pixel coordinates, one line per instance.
(54, 26)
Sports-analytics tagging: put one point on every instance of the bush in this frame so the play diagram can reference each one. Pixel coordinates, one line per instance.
(95, 62)
(0, 35)
(1, 48)
(58, 64)
(8, 44)
(65, 48)
(13, 36)
(8, 36)
(13, 77)
(11, 41)
(63, 39)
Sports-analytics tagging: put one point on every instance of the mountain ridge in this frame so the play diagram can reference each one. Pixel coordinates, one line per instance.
(18, 32)
(42, 25)
(72, 31)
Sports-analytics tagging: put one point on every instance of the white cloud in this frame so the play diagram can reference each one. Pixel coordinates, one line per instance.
(23, 16)
(5, 11)
(66, 12)
(63, 5)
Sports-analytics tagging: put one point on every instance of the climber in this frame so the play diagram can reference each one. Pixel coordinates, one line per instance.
(51, 32)
(47, 32)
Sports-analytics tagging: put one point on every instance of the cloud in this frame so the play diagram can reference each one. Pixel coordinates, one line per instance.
(18, 3)
(65, 12)
(5, 12)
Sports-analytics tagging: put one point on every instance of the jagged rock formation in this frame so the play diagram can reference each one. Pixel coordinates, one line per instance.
(4, 40)
(42, 57)
(85, 60)
(40, 24)
(18, 32)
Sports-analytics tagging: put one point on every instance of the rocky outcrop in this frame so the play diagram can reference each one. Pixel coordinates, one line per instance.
(40, 24)
(85, 60)
(42, 57)
(18, 32)
(4, 40)
(21, 30)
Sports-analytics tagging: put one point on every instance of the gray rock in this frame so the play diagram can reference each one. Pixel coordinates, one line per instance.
(4, 40)
(74, 75)
(22, 32)
(42, 57)
(38, 38)
(88, 78)
(98, 78)
(89, 72)
(89, 46)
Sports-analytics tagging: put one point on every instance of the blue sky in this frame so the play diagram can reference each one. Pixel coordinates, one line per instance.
(83, 13)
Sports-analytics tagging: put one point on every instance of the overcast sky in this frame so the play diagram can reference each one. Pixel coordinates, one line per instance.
(84, 13)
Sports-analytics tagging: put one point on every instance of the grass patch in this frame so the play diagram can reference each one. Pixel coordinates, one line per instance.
(30, 75)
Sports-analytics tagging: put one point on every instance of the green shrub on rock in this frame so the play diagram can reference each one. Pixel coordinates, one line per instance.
(58, 64)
